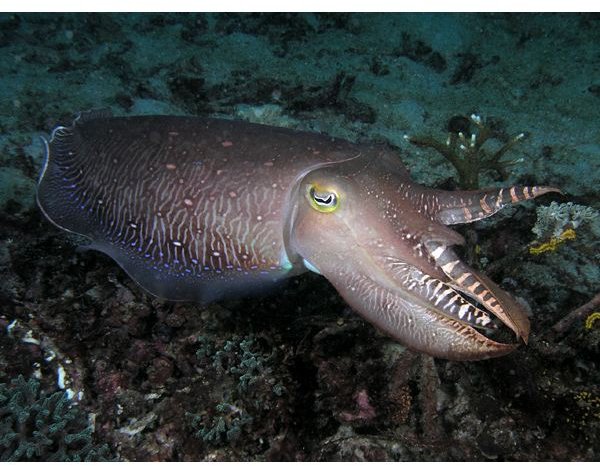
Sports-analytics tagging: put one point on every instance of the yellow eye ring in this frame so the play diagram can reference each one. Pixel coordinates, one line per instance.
(323, 200)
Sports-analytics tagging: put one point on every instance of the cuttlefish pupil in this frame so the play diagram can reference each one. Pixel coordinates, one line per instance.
(323, 200)
(190, 218)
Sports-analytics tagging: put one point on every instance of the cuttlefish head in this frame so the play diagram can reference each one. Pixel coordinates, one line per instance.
(382, 241)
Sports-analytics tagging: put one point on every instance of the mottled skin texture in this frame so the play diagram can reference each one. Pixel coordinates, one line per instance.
(202, 209)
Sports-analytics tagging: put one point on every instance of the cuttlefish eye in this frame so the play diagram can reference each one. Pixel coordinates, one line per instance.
(323, 200)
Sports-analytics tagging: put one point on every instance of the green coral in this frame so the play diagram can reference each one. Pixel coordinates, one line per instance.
(224, 427)
(237, 357)
(36, 426)
(553, 220)
(463, 148)
(242, 365)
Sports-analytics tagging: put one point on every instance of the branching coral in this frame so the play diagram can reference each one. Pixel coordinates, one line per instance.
(225, 426)
(35, 426)
(464, 149)
(236, 357)
(240, 365)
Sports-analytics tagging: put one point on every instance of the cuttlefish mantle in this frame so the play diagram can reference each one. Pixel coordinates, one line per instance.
(200, 209)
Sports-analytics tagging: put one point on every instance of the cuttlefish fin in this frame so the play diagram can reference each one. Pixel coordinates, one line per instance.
(470, 206)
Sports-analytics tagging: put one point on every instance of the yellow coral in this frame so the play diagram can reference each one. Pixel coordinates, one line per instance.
(552, 244)
(590, 404)
(569, 233)
(593, 317)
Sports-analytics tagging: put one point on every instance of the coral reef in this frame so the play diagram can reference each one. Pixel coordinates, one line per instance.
(298, 376)
(565, 251)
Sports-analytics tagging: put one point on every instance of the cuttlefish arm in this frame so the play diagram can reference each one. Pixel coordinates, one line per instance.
(425, 314)
(451, 208)
(387, 250)
(480, 288)
(455, 207)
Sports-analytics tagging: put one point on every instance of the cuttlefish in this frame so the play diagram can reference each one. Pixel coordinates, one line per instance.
(203, 209)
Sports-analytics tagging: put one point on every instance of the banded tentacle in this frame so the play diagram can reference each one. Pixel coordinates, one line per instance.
(438, 294)
(454, 207)
(480, 288)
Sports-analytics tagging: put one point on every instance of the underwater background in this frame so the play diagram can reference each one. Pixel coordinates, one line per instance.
(92, 367)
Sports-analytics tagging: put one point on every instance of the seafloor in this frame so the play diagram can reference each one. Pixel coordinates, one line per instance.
(296, 375)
